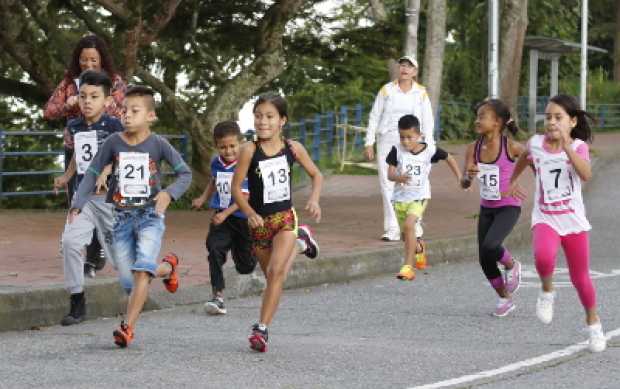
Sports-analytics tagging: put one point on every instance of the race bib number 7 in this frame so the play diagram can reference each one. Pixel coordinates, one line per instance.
(134, 174)
(556, 180)
(85, 149)
(275, 175)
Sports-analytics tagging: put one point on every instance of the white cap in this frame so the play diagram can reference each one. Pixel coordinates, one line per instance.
(409, 58)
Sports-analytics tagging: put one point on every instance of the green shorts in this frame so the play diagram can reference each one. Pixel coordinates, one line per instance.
(404, 209)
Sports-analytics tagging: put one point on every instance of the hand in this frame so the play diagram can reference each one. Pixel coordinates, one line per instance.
(369, 153)
(101, 185)
(472, 171)
(466, 182)
(60, 182)
(71, 102)
(218, 218)
(403, 179)
(255, 220)
(198, 202)
(565, 138)
(162, 200)
(73, 212)
(314, 209)
(515, 190)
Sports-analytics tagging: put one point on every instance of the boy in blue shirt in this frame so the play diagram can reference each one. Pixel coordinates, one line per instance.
(229, 229)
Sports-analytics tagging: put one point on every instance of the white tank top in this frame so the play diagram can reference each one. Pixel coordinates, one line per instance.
(558, 201)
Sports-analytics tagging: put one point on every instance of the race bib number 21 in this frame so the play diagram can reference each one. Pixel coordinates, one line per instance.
(134, 174)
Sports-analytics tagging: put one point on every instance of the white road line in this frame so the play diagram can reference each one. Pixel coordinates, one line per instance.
(570, 350)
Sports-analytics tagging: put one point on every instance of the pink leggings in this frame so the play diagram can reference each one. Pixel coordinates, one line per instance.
(577, 251)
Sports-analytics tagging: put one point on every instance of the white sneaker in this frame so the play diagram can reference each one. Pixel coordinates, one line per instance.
(390, 237)
(544, 306)
(597, 342)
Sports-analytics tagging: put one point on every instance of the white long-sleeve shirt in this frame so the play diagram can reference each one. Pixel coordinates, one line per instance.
(392, 103)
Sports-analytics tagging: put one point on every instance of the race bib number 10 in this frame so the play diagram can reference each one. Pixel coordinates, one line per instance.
(488, 177)
(556, 180)
(275, 175)
(134, 174)
(85, 149)
(223, 183)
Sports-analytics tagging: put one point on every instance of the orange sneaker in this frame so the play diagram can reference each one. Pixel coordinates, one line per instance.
(406, 273)
(420, 256)
(123, 335)
(172, 282)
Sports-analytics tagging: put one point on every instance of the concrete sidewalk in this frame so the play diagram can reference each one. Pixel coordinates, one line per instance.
(31, 273)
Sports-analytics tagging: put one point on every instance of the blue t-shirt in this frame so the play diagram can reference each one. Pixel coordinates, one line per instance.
(222, 173)
(85, 151)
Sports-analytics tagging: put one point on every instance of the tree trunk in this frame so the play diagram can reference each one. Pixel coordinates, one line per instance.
(412, 11)
(378, 11)
(434, 51)
(514, 26)
(617, 44)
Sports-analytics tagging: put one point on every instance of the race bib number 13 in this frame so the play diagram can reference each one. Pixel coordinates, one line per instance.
(85, 149)
(275, 175)
(134, 174)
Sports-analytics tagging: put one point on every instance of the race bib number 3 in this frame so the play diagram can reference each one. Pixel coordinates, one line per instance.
(223, 183)
(85, 149)
(134, 174)
(556, 180)
(275, 175)
(488, 177)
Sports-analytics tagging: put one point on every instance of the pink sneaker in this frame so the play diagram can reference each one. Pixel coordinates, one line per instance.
(504, 307)
(513, 277)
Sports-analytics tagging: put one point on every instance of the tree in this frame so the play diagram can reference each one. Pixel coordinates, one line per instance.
(226, 49)
(617, 44)
(412, 11)
(378, 10)
(514, 26)
(434, 50)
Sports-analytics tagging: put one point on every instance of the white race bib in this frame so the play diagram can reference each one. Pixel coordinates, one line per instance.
(556, 180)
(488, 180)
(275, 175)
(134, 174)
(415, 170)
(223, 183)
(86, 147)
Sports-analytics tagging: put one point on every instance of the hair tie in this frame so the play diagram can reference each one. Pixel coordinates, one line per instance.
(511, 120)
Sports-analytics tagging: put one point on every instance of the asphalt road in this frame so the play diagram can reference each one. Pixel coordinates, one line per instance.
(374, 333)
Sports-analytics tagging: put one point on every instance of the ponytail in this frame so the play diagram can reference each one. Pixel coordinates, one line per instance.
(502, 111)
(582, 129)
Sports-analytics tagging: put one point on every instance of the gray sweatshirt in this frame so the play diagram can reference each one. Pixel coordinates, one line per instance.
(136, 176)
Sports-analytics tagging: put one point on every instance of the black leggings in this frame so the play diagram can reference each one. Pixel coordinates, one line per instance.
(494, 225)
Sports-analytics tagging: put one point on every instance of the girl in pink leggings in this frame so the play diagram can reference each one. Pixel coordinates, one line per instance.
(561, 161)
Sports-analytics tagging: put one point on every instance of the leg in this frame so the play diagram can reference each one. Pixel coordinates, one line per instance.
(219, 242)
(486, 251)
(279, 261)
(546, 243)
(408, 232)
(390, 223)
(75, 238)
(577, 250)
(245, 261)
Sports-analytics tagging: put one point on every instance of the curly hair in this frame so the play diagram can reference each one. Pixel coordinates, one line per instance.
(90, 42)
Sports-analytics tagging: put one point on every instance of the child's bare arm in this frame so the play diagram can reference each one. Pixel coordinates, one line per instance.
(455, 168)
(312, 206)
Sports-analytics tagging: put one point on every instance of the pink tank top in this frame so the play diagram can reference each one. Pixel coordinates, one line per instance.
(502, 166)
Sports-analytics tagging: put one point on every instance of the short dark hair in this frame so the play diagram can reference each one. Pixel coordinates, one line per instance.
(226, 128)
(91, 77)
(144, 92)
(409, 122)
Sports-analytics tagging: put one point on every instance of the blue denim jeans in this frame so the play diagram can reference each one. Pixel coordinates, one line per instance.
(138, 233)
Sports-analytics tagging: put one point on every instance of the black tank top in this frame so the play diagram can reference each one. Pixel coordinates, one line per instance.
(278, 169)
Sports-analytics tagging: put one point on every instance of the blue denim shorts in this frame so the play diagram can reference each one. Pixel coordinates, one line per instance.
(138, 233)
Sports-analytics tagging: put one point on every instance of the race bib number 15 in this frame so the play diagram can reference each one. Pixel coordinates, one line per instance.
(134, 174)
(488, 177)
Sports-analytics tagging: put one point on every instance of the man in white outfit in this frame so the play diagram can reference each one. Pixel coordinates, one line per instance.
(400, 97)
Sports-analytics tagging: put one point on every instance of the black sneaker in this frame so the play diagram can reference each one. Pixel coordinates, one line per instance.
(312, 247)
(215, 306)
(77, 313)
(258, 338)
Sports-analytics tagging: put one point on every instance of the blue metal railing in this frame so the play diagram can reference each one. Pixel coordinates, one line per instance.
(183, 139)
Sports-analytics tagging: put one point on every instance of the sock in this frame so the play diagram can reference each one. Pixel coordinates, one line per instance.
(262, 327)
(301, 245)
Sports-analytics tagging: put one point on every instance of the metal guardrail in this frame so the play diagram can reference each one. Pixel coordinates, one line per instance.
(184, 143)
